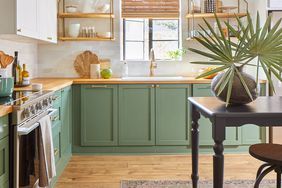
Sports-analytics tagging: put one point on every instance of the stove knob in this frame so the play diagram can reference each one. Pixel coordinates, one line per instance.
(45, 102)
(32, 109)
(50, 100)
(38, 106)
(26, 113)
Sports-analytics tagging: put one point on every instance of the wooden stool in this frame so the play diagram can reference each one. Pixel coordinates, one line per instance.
(271, 154)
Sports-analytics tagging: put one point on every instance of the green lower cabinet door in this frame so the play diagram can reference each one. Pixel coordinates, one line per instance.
(172, 119)
(4, 160)
(136, 115)
(252, 134)
(233, 135)
(66, 116)
(99, 115)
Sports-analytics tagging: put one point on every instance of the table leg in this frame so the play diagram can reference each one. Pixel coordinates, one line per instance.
(218, 158)
(195, 146)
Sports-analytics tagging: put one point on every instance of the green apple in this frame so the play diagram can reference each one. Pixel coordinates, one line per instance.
(106, 73)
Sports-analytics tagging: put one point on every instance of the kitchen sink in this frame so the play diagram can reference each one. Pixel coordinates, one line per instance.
(160, 78)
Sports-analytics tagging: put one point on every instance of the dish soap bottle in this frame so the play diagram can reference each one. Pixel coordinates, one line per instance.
(125, 69)
(25, 76)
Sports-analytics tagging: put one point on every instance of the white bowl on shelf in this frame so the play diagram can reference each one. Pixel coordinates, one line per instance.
(71, 9)
(102, 8)
(104, 34)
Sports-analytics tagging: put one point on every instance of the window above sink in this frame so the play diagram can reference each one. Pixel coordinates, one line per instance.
(140, 35)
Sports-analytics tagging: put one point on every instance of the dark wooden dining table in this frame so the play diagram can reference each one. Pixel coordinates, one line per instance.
(263, 112)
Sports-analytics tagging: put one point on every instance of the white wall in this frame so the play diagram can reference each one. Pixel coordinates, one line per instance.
(57, 60)
(27, 54)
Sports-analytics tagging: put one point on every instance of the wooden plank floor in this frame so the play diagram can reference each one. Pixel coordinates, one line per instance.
(108, 171)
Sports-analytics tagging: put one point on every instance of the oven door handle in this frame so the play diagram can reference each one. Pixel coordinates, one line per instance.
(26, 130)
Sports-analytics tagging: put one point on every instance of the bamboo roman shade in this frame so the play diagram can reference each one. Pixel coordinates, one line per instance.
(150, 8)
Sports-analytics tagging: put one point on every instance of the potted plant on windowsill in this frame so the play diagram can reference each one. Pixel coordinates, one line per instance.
(254, 43)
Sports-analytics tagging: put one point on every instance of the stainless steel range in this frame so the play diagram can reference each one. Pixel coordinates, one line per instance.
(28, 108)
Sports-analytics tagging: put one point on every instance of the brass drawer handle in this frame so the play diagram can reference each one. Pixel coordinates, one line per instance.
(157, 86)
(49, 38)
(54, 118)
(55, 98)
(152, 86)
(56, 151)
(99, 86)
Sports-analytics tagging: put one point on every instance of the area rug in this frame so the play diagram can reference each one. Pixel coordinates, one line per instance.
(188, 184)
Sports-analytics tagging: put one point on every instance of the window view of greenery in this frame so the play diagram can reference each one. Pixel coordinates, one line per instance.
(140, 35)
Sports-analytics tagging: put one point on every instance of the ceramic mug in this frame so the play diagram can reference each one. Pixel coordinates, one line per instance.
(74, 30)
(3, 73)
(6, 86)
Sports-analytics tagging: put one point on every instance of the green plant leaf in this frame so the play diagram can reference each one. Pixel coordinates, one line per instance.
(244, 84)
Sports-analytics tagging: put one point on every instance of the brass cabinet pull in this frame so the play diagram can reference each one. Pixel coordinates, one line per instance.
(152, 86)
(157, 86)
(19, 30)
(54, 118)
(49, 38)
(55, 98)
(56, 151)
(99, 86)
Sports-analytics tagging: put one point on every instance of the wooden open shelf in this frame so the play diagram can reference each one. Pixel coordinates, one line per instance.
(85, 15)
(85, 39)
(212, 15)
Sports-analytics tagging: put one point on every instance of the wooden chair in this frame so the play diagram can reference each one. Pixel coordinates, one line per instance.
(271, 154)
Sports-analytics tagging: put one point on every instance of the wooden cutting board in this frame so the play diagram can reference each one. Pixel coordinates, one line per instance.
(83, 61)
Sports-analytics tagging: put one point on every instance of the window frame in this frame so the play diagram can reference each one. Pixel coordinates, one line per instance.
(151, 40)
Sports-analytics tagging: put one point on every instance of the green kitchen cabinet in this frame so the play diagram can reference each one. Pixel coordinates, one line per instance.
(252, 134)
(233, 135)
(172, 119)
(66, 119)
(137, 115)
(99, 117)
(4, 161)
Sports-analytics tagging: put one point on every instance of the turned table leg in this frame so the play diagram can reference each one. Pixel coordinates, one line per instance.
(218, 157)
(195, 146)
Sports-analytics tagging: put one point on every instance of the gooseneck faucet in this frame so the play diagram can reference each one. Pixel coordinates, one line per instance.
(153, 64)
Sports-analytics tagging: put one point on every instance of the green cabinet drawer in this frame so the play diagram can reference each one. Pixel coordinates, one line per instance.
(233, 135)
(4, 160)
(99, 119)
(4, 129)
(56, 117)
(172, 119)
(136, 115)
(57, 99)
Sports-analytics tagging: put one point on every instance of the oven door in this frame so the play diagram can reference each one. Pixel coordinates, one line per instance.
(24, 150)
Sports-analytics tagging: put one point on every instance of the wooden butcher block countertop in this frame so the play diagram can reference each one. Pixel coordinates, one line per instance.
(59, 83)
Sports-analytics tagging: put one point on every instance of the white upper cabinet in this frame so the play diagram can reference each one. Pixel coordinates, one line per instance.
(36, 19)
(47, 20)
(27, 18)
